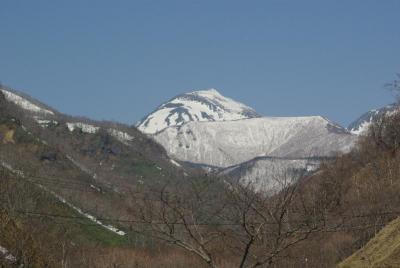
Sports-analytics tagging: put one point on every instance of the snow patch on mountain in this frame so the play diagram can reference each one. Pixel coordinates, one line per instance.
(85, 128)
(91, 129)
(202, 105)
(270, 175)
(24, 103)
(228, 143)
(44, 123)
(120, 135)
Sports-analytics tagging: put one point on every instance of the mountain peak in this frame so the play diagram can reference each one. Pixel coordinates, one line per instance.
(201, 105)
(209, 91)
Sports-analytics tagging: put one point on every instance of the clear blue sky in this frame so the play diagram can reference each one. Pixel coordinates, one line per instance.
(120, 59)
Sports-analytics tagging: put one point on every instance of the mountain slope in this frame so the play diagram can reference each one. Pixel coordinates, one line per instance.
(270, 174)
(109, 151)
(203, 105)
(381, 251)
(223, 144)
(360, 126)
(89, 172)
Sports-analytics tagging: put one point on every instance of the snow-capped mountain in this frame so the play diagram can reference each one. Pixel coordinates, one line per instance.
(227, 143)
(204, 128)
(202, 105)
(361, 125)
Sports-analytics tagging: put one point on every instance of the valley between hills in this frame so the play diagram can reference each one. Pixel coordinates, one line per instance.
(202, 178)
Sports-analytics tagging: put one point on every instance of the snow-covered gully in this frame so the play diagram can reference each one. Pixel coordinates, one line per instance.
(90, 217)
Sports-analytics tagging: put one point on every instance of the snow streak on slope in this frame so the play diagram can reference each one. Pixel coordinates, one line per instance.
(24, 103)
(229, 143)
(203, 105)
(90, 217)
(7, 255)
(175, 163)
(61, 199)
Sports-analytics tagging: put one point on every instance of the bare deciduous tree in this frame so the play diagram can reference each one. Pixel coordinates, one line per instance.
(212, 219)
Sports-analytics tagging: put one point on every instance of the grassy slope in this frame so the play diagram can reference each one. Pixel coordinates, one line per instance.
(381, 251)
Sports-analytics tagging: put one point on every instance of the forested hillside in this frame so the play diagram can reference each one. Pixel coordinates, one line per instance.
(68, 197)
(81, 193)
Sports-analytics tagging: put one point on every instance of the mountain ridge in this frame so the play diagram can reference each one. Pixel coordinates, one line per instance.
(27, 102)
(361, 124)
(224, 143)
(229, 143)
